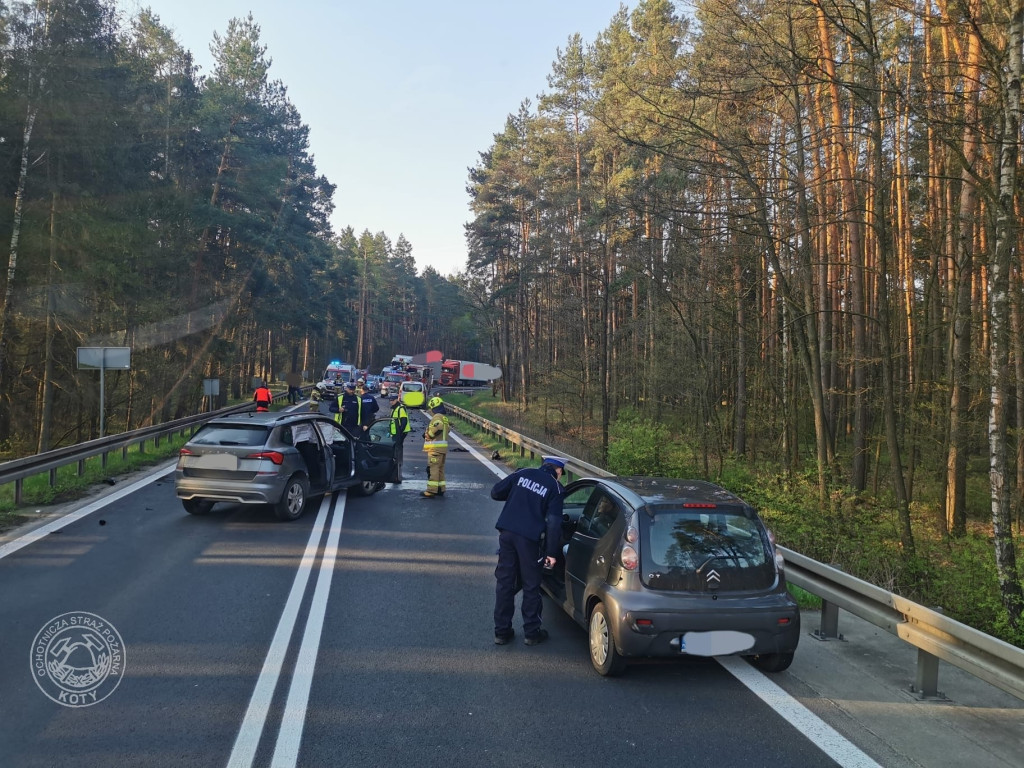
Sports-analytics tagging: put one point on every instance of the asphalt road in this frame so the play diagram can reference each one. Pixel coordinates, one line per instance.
(360, 635)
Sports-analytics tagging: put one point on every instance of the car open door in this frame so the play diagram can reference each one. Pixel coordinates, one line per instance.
(375, 453)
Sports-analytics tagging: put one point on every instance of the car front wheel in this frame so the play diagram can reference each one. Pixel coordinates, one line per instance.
(293, 500)
(772, 662)
(603, 656)
(366, 488)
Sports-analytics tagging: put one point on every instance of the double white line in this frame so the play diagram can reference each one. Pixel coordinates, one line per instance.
(289, 738)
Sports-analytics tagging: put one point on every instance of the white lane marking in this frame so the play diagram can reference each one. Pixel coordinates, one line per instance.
(817, 731)
(499, 471)
(248, 739)
(44, 530)
(289, 738)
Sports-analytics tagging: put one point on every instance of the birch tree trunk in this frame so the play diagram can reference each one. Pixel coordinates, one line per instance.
(999, 314)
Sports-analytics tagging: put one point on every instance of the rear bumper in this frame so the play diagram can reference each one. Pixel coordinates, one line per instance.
(240, 493)
(645, 628)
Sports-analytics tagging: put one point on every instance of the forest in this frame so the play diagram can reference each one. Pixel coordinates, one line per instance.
(784, 232)
(775, 236)
(180, 216)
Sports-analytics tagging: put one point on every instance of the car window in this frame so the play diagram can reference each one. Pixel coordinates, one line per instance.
(598, 514)
(331, 432)
(688, 539)
(605, 512)
(231, 434)
(380, 432)
(575, 501)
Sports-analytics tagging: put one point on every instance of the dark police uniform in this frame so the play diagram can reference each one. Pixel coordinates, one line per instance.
(533, 505)
(367, 409)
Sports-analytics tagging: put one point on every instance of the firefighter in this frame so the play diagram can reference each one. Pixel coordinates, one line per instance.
(316, 396)
(435, 443)
(262, 397)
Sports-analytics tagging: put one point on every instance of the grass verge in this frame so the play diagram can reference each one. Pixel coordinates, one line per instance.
(70, 485)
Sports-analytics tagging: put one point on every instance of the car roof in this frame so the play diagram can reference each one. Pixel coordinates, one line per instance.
(652, 491)
(268, 418)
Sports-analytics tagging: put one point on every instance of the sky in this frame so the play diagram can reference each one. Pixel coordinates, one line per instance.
(400, 96)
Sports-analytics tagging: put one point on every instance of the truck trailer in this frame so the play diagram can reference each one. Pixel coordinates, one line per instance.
(461, 373)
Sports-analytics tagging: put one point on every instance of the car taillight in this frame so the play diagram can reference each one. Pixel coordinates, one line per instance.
(274, 456)
(185, 452)
(780, 562)
(632, 534)
(628, 557)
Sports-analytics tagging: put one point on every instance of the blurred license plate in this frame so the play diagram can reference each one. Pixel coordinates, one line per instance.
(721, 642)
(218, 461)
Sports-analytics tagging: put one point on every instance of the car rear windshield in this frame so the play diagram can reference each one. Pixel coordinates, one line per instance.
(231, 434)
(411, 387)
(681, 547)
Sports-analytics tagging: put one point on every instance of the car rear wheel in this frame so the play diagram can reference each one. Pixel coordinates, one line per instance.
(772, 662)
(603, 656)
(293, 500)
(197, 506)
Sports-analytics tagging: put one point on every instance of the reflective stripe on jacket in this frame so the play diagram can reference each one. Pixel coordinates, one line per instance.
(435, 439)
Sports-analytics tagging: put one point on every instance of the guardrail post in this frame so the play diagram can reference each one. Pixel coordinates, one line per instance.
(53, 477)
(926, 684)
(17, 491)
(829, 627)
(81, 467)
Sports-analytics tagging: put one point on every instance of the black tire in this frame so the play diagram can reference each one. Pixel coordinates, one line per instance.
(772, 662)
(603, 654)
(197, 506)
(365, 488)
(293, 500)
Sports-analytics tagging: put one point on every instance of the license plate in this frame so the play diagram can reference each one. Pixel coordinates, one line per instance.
(218, 461)
(720, 642)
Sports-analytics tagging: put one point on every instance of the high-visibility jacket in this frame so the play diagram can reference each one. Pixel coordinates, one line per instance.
(263, 398)
(400, 420)
(435, 439)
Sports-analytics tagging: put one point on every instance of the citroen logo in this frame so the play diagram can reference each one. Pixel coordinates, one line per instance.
(713, 578)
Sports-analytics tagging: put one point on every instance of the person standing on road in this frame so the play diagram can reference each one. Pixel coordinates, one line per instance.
(368, 408)
(533, 509)
(262, 397)
(349, 407)
(435, 443)
(400, 428)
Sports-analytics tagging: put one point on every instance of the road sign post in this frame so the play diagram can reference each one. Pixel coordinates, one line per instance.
(211, 389)
(92, 358)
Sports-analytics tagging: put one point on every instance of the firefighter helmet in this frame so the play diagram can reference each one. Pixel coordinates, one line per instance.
(433, 402)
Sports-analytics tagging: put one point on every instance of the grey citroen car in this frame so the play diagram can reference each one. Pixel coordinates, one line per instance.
(280, 458)
(660, 567)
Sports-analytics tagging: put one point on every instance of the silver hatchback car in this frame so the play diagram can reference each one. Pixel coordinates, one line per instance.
(659, 567)
(280, 458)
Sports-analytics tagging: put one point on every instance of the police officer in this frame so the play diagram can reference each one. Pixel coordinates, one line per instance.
(400, 428)
(349, 407)
(368, 407)
(533, 508)
(435, 443)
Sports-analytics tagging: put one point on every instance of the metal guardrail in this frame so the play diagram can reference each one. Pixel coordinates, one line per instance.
(936, 637)
(17, 470)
